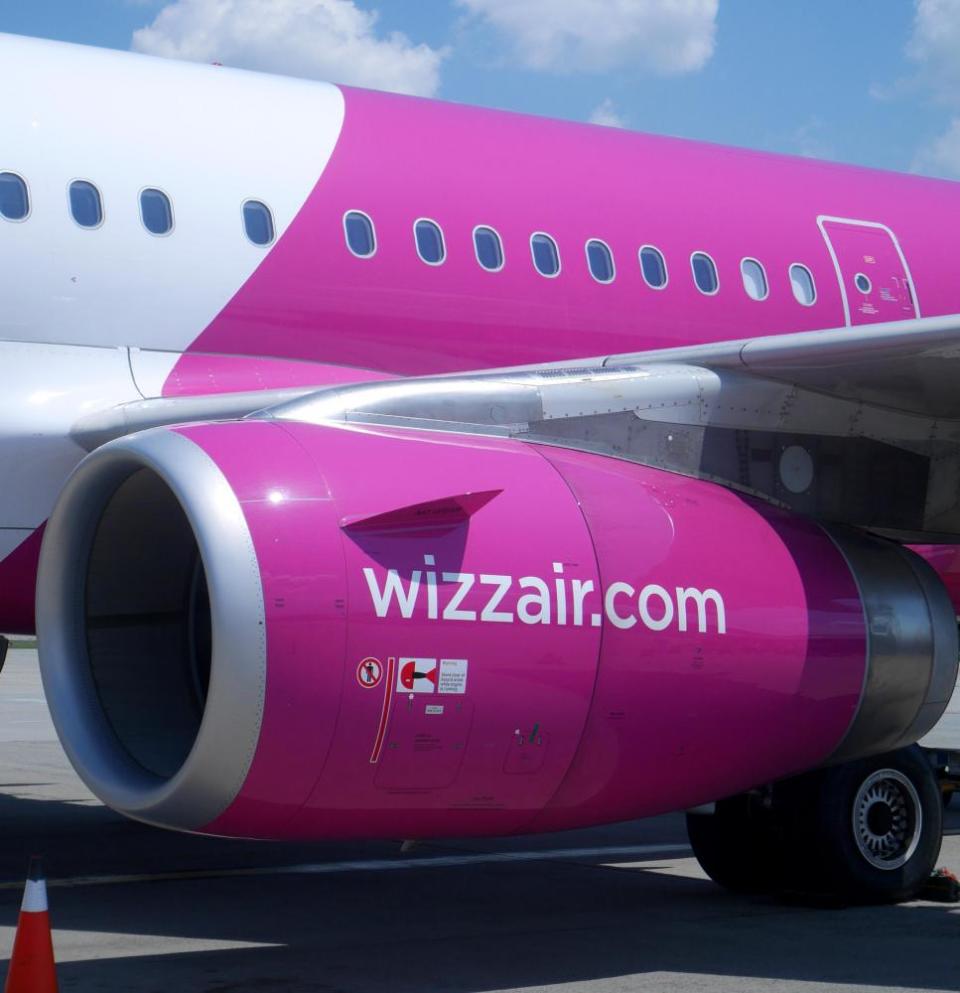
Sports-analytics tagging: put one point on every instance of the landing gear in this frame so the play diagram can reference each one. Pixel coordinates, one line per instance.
(737, 845)
(865, 832)
(887, 819)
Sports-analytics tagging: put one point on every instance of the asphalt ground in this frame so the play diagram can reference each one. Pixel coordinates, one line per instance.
(614, 909)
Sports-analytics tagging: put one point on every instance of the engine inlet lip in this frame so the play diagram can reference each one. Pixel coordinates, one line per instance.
(220, 758)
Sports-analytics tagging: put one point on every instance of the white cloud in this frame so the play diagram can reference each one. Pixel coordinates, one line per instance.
(933, 45)
(317, 39)
(942, 156)
(665, 36)
(605, 113)
(810, 139)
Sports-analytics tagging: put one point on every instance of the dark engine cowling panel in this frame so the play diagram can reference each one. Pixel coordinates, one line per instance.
(555, 638)
(911, 632)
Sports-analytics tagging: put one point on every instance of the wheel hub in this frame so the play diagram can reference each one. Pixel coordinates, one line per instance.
(887, 819)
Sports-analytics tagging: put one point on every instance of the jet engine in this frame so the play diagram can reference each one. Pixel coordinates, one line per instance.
(275, 629)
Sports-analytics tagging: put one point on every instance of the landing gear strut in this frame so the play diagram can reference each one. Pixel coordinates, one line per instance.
(865, 832)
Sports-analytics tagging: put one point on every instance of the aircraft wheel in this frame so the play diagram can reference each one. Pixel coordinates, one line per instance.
(865, 832)
(736, 845)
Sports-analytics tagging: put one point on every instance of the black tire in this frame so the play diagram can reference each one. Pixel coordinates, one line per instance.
(737, 845)
(864, 832)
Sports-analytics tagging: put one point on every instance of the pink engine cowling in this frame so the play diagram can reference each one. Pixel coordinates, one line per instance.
(274, 629)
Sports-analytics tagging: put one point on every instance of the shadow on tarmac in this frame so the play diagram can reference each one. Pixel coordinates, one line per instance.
(467, 928)
(506, 927)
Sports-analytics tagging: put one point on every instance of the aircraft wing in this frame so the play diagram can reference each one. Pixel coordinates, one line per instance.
(857, 425)
(910, 366)
(854, 425)
(96, 429)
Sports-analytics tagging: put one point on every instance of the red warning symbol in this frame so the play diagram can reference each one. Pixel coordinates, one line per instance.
(417, 675)
(369, 673)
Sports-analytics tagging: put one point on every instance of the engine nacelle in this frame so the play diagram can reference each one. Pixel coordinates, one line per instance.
(276, 629)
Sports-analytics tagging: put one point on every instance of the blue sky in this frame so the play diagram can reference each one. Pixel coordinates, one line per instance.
(876, 82)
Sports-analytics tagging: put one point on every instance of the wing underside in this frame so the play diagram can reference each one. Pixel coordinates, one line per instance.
(859, 426)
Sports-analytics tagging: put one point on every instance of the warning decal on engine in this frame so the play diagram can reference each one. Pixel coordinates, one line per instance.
(453, 676)
(369, 673)
(417, 675)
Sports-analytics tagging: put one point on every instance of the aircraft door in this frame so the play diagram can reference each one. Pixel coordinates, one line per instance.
(874, 277)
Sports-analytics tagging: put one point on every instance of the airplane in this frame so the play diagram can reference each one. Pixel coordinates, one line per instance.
(380, 467)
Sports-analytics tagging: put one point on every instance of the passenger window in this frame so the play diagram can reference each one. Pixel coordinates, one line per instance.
(545, 255)
(85, 204)
(156, 211)
(489, 248)
(361, 238)
(653, 267)
(801, 280)
(14, 201)
(430, 246)
(258, 222)
(704, 273)
(600, 260)
(754, 279)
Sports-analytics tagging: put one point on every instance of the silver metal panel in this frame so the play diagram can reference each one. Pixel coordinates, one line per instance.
(723, 425)
(97, 429)
(912, 645)
(906, 365)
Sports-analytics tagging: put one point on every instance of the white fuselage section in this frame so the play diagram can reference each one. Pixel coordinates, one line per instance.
(211, 138)
(92, 317)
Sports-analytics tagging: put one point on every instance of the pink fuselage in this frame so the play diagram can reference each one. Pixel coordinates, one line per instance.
(399, 159)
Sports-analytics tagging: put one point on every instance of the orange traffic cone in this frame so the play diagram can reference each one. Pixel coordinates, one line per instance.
(31, 964)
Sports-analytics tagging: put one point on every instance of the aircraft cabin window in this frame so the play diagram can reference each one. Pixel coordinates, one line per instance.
(14, 201)
(654, 267)
(86, 206)
(546, 257)
(704, 273)
(600, 260)
(801, 280)
(754, 279)
(358, 230)
(489, 248)
(156, 211)
(258, 222)
(429, 238)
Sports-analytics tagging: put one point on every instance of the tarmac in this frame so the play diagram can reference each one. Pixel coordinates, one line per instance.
(610, 910)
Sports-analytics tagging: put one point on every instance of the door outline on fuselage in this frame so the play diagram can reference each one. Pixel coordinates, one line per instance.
(823, 219)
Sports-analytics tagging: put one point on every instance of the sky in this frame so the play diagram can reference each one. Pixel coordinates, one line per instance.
(872, 82)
